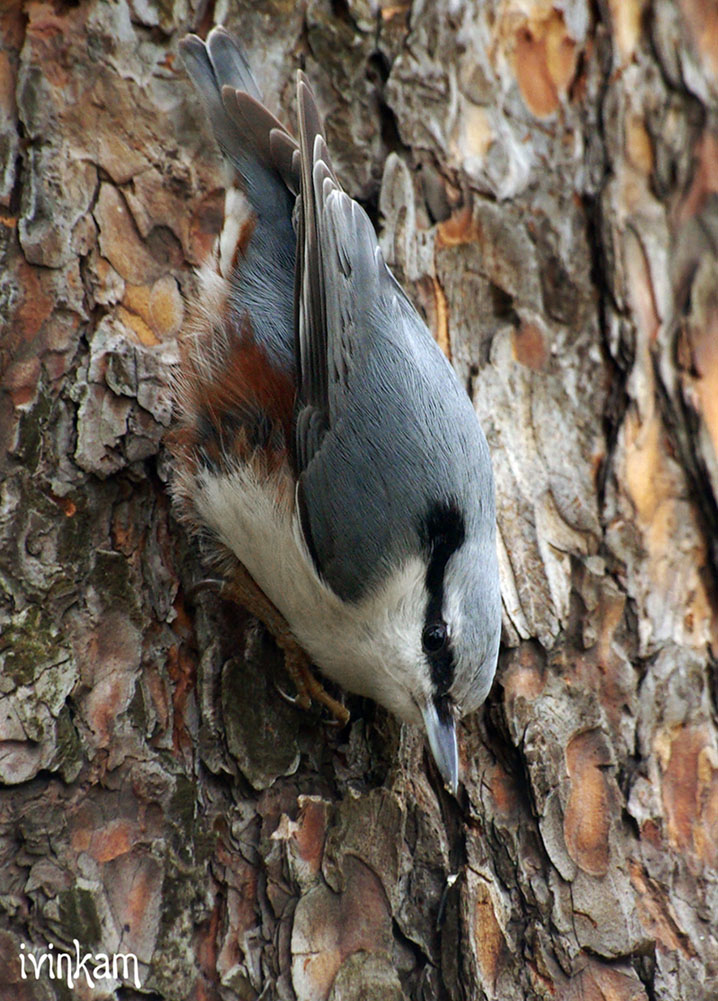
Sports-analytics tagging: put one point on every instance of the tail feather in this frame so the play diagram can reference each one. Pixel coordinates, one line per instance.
(242, 126)
(256, 249)
(229, 63)
(266, 135)
(209, 76)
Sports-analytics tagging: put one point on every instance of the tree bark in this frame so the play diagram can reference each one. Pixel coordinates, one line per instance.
(544, 176)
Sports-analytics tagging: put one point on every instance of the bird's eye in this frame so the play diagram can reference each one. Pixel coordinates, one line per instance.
(434, 637)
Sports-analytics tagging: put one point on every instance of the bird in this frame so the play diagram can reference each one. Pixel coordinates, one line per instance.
(324, 444)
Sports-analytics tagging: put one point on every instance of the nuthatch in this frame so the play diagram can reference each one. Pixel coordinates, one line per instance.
(324, 440)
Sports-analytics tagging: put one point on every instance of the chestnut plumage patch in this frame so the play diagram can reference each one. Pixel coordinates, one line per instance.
(238, 405)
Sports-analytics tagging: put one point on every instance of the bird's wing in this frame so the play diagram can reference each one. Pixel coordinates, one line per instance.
(368, 460)
(340, 275)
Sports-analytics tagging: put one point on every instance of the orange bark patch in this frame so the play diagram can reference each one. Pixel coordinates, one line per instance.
(207, 942)
(441, 332)
(656, 912)
(37, 304)
(120, 241)
(599, 982)
(47, 34)
(611, 605)
(430, 296)
(458, 229)
(545, 62)
(502, 787)
(7, 87)
(69, 508)
(649, 483)
(690, 794)
(181, 669)
(116, 839)
(586, 820)
(392, 10)
(639, 147)
(488, 936)
(144, 886)
(137, 325)
(166, 309)
(107, 843)
(108, 656)
(310, 831)
(21, 381)
(654, 485)
(626, 18)
(530, 347)
(153, 312)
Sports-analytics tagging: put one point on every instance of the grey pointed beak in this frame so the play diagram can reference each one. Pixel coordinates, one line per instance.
(441, 731)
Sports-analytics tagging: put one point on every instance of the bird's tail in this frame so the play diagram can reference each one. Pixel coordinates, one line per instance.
(254, 142)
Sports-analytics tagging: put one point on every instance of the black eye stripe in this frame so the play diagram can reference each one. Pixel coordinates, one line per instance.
(442, 532)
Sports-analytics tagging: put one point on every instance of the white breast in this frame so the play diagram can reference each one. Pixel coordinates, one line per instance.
(371, 647)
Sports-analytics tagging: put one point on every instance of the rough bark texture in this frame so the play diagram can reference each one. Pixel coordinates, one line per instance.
(545, 177)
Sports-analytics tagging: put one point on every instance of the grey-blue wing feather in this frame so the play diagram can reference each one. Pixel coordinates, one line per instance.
(311, 279)
(336, 258)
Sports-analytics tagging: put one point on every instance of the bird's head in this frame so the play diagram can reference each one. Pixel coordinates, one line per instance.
(433, 631)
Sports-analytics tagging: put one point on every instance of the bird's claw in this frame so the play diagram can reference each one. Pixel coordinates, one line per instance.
(303, 701)
(206, 584)
(300, 701)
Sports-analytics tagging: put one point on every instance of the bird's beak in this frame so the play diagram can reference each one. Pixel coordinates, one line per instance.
(441, 731)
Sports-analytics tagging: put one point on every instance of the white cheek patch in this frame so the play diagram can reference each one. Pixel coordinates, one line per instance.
(454, 618)
(452, 611)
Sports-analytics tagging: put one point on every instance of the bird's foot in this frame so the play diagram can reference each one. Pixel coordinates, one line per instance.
(308, 686)
(243, 591)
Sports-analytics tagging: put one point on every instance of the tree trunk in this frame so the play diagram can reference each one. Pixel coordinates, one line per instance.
(545, 179)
